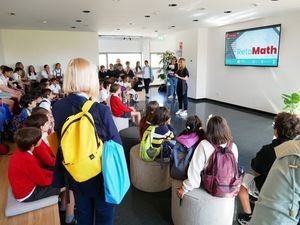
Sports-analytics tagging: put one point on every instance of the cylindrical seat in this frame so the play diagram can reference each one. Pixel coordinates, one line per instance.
(130, 137)
(200, 208)
(148, 176)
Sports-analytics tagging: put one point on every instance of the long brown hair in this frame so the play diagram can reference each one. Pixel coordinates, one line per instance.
(218, 131)
(181, 63)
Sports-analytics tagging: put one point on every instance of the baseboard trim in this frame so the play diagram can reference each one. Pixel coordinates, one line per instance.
(233, 106)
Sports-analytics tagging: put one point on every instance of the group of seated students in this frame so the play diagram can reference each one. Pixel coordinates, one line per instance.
(217, 133)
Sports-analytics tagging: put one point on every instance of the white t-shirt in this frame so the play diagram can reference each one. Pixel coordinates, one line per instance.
(146, 73)
(43, 74)
(3, 80)
(32, 76)
(16, 77)
(57, 73)
(103, 95)
(55, 88)
(46, 104)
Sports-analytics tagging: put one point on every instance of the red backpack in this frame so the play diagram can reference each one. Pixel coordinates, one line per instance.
(222, 178)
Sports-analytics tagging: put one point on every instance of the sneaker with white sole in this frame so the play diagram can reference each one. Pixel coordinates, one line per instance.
(170, 97)
(179, 111)
(183, 113)
(243, 218)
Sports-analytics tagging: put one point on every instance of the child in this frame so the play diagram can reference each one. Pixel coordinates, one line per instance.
(55, 86)
(104, 91)
(43, 152)
(47, 96)
(286, 127)
(146, 121)
(118, 109)
(28, 180)
(129, 90)
(218, 134)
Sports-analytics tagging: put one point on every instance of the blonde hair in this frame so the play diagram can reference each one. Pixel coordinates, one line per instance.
(81, 76)
(181, 63)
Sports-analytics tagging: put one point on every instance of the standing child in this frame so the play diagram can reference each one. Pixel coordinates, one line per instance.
(118, 109)
(146, 121)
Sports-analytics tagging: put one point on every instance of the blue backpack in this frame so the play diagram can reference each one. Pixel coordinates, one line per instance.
(182, 155)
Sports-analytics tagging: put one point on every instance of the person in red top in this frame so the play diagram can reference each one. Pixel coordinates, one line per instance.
(43, 152)
(119, 109)
(28, 180)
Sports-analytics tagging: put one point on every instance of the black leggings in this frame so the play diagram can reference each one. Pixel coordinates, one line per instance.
(147, 84)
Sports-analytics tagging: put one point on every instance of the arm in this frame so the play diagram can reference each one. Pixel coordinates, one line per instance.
(38, 175)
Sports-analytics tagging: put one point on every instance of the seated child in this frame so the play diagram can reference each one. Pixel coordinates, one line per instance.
(104, 91)
(39, 110)
(129, 90)
(146, 121)
(118, 109)
(47, 96)
(28, 180)
(286, 127)
(55, 87)
(43, 152)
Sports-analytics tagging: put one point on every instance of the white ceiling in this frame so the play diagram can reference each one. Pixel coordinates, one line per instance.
(128, 15)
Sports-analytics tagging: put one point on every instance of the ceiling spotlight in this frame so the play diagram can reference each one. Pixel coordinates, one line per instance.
(156, 31)
(12, 14)
(274, 0)
(44, 21)
(118, 28)
(73, 27)
(78, 21)
(86, 11)
(195, 20)
(173, 26)
(172, 5)
(227, 11)
(254, 4)
(201, 9)
(147, 16)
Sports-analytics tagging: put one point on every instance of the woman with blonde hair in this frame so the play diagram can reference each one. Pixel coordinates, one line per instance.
(182, 76)
(81, 84)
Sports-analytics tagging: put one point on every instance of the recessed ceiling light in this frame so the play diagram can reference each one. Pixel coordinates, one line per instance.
(254, 4)
(173, 26)
(147, 16)
(131, 24)
(73, 27)
(86, 11)
(44, 21)
(227, 11)
(195, 20)
(156, 31)
(172, 5)
(274, 0)
(12, 14)
(201, 9)
(78, 21)
(85, 25)
(118, 29)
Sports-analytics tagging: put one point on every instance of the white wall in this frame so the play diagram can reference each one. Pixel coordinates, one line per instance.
(47, 47)
(255, 87)
(1, 50)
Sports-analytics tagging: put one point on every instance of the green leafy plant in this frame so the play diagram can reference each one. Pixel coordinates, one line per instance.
(291, 102)
(166, 58)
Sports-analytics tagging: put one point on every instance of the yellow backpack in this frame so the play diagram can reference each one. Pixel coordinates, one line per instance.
(81, 145)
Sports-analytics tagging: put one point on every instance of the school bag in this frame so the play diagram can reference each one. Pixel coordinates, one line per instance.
(222, 178)
(182, 154)
(18, 121)
(81, 146)
(147, 152)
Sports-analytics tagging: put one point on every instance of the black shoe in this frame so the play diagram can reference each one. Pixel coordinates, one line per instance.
(244, 218)
(74, 222)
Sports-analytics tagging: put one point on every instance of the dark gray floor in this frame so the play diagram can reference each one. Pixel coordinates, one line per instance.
(250, 131)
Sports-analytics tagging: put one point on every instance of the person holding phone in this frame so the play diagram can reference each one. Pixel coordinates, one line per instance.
(182, 76)
(147, 77)
(172, 80)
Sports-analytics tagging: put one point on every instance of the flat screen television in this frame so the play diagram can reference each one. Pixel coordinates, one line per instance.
(257, 46)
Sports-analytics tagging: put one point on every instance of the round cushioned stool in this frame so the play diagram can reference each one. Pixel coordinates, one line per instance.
(130, 137)
(148, 176)
(200, 208)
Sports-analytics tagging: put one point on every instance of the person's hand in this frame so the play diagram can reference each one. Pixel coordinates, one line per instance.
(169, 121)
(176, 75)
(180, 193)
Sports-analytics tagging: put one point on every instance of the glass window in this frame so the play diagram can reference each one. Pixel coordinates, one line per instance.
(131, 57)
(103, 60)
(155, 58)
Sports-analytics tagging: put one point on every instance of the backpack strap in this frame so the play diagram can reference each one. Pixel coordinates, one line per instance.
(87, 105)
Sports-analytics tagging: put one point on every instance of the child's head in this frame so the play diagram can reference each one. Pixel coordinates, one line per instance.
(31, 69)
(47, 93)
(106, 84)
(57, 66)
(7, 71)
(54, 81)
(286, 126)
(218, 131)
(28, 101)
(127, 63)
(162, 116)
(18, 70)
(151, 109)
(40, 121)
(111, 66)
(115, 88)
(146, 62)
(27, 138)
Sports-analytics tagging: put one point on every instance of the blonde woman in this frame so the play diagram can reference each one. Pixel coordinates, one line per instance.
(182, 76)
(81, 83)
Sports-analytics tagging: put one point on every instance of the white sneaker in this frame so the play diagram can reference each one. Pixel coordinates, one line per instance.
(175, 97)
(179, 111)
(183, 113)
(170, 97)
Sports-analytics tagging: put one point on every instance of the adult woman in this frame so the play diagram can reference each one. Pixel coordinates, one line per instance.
(81, 83)
(172, 80)
(147, 77)
(32, 75)
(182, 75)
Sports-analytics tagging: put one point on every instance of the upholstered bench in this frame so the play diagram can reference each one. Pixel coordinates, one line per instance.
(148, 176)
(13, 207)
(121, 123)
(130, 137)
(200, 208)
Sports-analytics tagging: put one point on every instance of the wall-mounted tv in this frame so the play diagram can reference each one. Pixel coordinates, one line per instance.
(257, 46)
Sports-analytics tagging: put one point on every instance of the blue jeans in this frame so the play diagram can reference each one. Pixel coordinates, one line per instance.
(93, 209)
(173, 86)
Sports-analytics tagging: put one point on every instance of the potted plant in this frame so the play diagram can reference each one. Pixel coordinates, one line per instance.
(166, 58)
(291, 102)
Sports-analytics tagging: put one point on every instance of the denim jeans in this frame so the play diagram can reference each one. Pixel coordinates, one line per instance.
(93, 209)
(173, 86)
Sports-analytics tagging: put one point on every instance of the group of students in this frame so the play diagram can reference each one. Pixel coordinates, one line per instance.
(278, 200)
